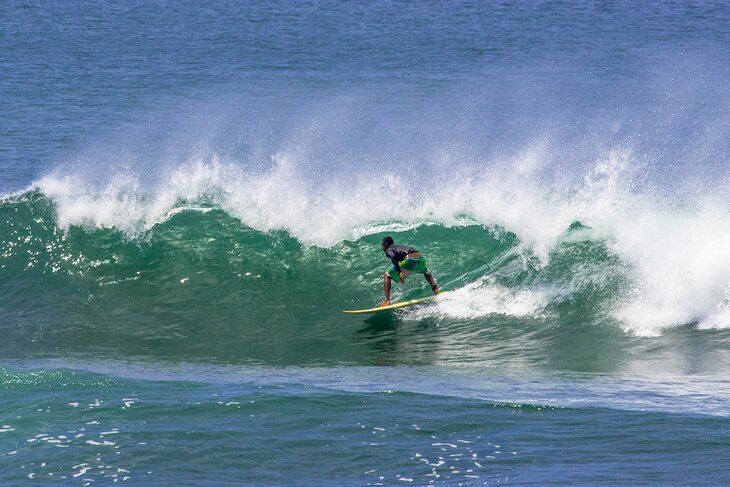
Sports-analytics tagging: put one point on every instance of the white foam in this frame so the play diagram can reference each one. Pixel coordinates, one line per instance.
(682, 269)
(483, 297)
(318, 209)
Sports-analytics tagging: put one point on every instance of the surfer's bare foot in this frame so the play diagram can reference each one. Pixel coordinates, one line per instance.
(436, 291)
(384, 303)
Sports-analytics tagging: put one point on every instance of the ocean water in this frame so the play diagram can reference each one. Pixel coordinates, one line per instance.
(191, 194)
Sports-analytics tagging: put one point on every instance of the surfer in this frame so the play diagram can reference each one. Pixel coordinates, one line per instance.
(406, 261)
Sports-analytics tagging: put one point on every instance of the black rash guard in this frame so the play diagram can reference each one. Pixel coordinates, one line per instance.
(397, 253)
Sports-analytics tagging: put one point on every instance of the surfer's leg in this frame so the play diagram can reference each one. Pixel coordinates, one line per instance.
(386, 289)
(419, 265)
(432, 282)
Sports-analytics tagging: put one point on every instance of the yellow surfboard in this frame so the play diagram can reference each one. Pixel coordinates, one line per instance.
(402, 304)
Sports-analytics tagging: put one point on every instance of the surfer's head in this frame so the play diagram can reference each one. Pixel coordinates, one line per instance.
(387, 242)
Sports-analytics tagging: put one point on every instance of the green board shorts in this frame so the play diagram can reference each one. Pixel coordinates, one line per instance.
(409, 266)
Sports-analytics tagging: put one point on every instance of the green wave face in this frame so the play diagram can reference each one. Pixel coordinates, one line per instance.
(203, 286)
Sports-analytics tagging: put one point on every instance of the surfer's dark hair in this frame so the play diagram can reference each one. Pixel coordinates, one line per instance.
(388, 240)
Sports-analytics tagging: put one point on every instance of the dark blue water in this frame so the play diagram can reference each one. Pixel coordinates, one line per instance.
(191, 195)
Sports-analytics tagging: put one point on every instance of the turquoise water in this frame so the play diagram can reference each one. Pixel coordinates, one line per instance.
(191, 195)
